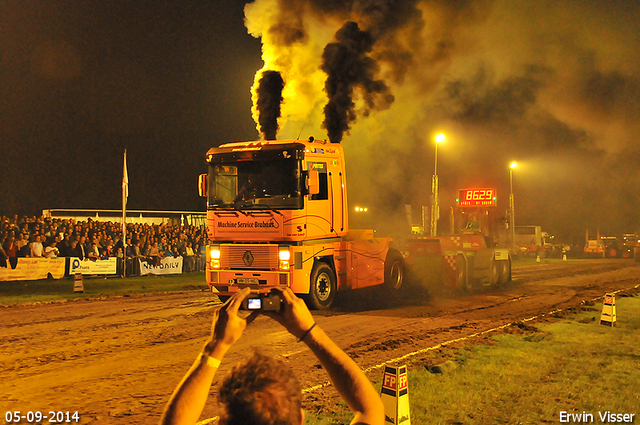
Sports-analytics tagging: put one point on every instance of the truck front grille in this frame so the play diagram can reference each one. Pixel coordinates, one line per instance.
(255, 257)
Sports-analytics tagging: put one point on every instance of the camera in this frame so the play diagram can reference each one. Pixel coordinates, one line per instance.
(270, 301)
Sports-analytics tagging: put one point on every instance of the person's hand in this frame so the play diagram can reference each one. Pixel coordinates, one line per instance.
(227, 326)
(295, 316)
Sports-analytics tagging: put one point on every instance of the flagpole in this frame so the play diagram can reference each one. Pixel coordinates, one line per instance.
(125, 194)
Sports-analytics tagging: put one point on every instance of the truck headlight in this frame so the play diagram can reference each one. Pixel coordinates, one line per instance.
(214, 255)
(284, 256)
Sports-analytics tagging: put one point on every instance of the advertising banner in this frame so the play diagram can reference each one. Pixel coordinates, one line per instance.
(33, 269)
(169, 265)
(90, 267)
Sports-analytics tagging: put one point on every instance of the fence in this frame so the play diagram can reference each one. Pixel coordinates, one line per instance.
(57, 268)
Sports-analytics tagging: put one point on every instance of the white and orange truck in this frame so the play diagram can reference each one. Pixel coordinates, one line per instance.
(277, 216)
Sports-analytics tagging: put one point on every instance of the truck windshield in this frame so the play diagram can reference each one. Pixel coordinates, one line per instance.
(274, 184)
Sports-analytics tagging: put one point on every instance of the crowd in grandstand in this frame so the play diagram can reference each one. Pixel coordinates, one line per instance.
(93, 240)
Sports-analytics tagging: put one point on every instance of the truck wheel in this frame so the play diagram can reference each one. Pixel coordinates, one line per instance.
(494, 278)
(394, 272)
(323, 286)
(505, 272)
(223, 298)
(461, 272)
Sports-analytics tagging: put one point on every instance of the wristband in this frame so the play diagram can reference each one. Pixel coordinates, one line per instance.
(304, 335)
(209, 361)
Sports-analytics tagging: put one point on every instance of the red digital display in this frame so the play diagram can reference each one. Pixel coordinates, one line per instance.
(477, 198)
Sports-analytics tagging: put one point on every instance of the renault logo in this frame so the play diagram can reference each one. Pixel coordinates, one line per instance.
(247, 258)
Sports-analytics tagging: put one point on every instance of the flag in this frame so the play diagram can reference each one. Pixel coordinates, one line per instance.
(125, 179)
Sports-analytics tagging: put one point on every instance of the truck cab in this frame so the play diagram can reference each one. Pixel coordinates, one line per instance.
(277, 216)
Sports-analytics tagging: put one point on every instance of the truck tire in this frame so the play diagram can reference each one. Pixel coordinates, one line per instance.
(394, 273)
(505, 272)
(322, 290)
(223, 298)
(461, 273)
(494, 277)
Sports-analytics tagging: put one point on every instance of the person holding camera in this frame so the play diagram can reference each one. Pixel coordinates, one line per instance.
(261, 390)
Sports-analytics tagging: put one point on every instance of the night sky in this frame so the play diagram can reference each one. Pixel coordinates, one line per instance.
(554, 85)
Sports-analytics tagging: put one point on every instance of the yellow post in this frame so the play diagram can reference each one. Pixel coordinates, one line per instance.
(608, 316)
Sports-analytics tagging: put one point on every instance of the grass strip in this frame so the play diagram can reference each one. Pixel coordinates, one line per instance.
(570, 364)
(63, 289)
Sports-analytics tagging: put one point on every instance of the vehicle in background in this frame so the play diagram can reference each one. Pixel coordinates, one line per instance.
(612, 247)
(630, 243)
(594, 247)
(532, 241)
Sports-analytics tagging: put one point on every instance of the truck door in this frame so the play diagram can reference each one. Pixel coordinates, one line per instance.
(319, 209)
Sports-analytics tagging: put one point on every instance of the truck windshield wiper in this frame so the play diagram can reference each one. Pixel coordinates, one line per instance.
(251, 206)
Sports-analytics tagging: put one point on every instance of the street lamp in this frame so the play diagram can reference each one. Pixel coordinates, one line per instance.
(435, 207)
(512, 207)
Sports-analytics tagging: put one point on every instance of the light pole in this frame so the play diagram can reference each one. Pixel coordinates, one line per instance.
(512, 207)
(435, 207)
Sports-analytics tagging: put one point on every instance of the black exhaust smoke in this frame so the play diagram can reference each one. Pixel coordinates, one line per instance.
(348, 66)
(269, 99)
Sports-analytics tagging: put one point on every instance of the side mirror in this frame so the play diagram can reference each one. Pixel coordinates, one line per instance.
(313, 182)
(202, 185)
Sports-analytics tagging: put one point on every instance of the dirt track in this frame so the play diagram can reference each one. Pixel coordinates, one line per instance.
(117, 360)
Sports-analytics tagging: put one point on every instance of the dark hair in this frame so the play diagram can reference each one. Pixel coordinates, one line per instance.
(260, 390)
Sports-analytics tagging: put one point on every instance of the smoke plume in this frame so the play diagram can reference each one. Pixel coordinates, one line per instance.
(503, 80)
(269, 97)
(348, 66)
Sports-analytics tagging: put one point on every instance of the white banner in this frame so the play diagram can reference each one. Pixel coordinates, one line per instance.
(168, 265)
(33, 269)
(90, 267)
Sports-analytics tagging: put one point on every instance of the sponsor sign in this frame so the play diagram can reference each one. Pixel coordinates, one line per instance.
(33, 269)
(169, 265)
(89, 267)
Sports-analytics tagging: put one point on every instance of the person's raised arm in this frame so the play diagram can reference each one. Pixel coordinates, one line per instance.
(187, 401)
(350, 381)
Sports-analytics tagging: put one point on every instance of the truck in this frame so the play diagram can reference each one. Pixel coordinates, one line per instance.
(531, 240)
(594, 247)
(277, 217)
(470, 256)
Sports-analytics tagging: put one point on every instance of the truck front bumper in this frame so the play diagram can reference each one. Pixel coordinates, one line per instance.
(228, 282)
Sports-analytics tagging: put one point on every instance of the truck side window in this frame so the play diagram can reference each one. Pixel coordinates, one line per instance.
(321, 167)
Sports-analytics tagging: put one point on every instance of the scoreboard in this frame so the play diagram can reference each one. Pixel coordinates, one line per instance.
(477, 198)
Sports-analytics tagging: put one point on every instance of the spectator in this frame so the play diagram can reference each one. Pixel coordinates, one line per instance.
(21, 240)
(3, 257)
(10, 248)
(189, 258)
(154, 253)
(262, 390)
(104, 253)
(51, 251)
(93, 253)
(81, 250)
(36, 247)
